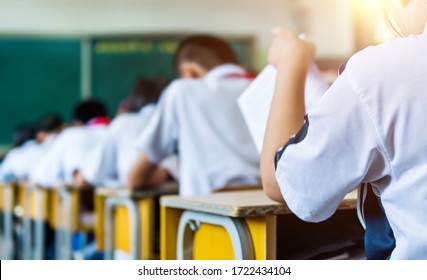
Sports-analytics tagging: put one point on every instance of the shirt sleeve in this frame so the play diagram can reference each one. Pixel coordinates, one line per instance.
(171, 164)
(47, 171)
(102, 162)
(335, 151)
(6, 170)
(160, 138)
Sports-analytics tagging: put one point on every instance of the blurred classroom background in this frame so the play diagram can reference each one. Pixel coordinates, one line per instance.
(56, 52)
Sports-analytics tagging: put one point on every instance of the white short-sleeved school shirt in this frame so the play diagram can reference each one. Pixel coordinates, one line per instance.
(68, 153)
(116, 152)
(368, 128)
(19, 161)
(200, 120)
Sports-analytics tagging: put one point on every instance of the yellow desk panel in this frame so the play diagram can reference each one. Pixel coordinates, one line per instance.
(99, 222)
(2, 197)
(147, 222)
(34, 207)
(212, 242)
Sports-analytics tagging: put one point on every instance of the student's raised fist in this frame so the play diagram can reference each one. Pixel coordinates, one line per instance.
(287, 47)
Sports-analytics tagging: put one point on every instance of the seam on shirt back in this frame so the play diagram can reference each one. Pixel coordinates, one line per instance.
(371, 118)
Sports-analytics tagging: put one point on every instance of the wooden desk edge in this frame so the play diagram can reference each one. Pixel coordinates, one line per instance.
(166, 189)
(174, 201)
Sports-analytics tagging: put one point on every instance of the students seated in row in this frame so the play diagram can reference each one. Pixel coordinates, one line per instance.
(72, 147)
(115, 154)
(199, 119)
(18, 162)
(368, 128)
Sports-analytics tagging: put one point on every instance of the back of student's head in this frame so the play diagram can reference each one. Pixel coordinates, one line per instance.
(206, 51)
(23, 133)
(87, 110)
(146, 91)
(405, 17)
(48, 124)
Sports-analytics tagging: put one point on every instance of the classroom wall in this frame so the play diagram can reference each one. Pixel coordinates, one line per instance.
(328, 22)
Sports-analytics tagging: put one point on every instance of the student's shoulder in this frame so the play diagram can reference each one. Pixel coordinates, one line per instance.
(182, 86)
(381, 60)
(13, 153)
(71, 132)
(27, 147)
(123, 120)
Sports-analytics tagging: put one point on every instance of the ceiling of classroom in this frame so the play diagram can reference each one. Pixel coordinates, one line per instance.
(230, 17)
(88, 16)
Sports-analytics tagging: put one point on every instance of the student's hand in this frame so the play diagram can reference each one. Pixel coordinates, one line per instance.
(287, 49)
(79, 181)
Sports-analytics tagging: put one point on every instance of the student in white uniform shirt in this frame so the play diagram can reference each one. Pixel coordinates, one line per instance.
(115, 154)
(368, 128)
(72, 147)
(19, 161)
(198, 118)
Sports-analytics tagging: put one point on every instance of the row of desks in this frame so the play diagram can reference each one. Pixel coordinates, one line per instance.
(232, 224)
(31, 211)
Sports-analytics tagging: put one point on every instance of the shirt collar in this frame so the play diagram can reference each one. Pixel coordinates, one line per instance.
(147, 110)
(99, 121)
(29, 143)
(49, 139)
(224, 70)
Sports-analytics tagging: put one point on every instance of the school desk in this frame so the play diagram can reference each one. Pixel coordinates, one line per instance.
(8, 194)
(223, 225)
(13, 197)
(67, 220)
(36, 210)
(128, 221)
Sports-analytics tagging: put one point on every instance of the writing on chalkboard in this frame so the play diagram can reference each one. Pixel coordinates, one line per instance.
(133, 46)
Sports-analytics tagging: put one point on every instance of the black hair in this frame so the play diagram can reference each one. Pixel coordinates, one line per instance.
(23, 133)
(49, 123)
(146, 91)
(87, 110)
(206, 50)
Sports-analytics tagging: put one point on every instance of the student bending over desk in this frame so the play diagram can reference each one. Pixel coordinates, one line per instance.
(198, 118)
(19, 161)
(72, 147)
(368, 128)
(115, 154)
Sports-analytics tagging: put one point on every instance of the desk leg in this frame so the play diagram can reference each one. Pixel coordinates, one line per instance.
(64, 226)
(8, 222)
(99, 222)
(169, 222)
(135, 231)
(236, 228)
(27, 230)
(39, 231)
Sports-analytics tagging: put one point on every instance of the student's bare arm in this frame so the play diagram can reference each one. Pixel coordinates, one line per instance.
(291, 57)
(144, 173)
(80, 181)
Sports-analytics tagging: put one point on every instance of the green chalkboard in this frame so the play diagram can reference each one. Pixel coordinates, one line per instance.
(117, 63)
(36, 76)
(39, 76)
